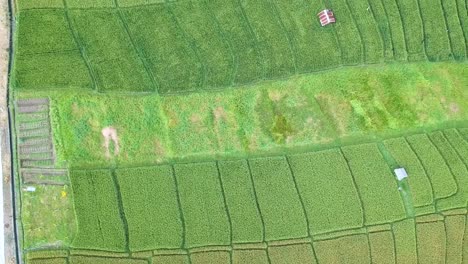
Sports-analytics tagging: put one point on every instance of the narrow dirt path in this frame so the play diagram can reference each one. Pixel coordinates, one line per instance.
(9, 253)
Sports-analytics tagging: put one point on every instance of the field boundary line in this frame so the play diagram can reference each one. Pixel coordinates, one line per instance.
(191, 44)
(391, 29)
(226, 208)
(392, 231)
(351, 173)
(123, 218)
(418, 2)
(136, 48)
(76, 38)
(398, 5)
(275, 12)
(459, 155)
(376, 25)
(179, 205)
(258, 48)
(387, 20)
(302, 205)
(226, 40)
(434, 198)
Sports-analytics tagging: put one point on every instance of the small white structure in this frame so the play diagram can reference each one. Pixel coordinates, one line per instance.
(30, 189)
(401, 173)
(326, 17)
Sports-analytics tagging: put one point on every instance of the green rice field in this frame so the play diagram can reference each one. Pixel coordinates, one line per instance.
(240, 131)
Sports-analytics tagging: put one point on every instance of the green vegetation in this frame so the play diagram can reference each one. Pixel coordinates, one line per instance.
(254, 256)
(326, 186)
(352, 249)
(382, 247)
(98, 215)
(241, 202)
(420, 185)
(301, 253)
(377, 186)
(431, 240)
(143, 205)
(220, 257)
(453, 226)
(435, 166)
(99, 260)
(206, 219)
(278, 199)
(405, 241)
(171, 259)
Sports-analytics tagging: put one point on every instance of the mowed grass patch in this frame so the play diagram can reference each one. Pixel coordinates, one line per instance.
(278, 199)
(301, 253)
(454, 226)
(326, 186)
(404, 233)
(149, 200)
(201, 198)
(436, 168)
(99, 221)
(457, 168)
(352, 249)
(241, 204)
(382, 247)
(431, 239)
(257, 256)
(421, 189)
(375, 183)
(213, 257)
(112, 56)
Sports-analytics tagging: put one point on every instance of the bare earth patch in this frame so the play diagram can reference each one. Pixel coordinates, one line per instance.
(110, 134)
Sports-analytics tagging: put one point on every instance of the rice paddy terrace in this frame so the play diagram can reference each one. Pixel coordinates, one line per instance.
(209, 131)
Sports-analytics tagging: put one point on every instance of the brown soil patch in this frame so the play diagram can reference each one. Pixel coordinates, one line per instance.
(110, 133)
(195, 119)
(454, 108)
(219, 113)
(275, 96)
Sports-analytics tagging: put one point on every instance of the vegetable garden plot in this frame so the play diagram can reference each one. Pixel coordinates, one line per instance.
(348, 34)
(114, 60)
(100, 260)
(97, 211)
(302, 253)
(257, 256)
(458, 170)
(382, 247)
(351, 249)
(171, 58)
(278, 55)
(454, 226)
(435, 166)
(375, 183)
(431, 241)
(150, 204)
(241, 202)
(413, 28)
(206, 218)
(237, 31)
(303, 31)
(278, 199)
(215, 257)
(48, 261)
(215, 55)
(421, 190)
(326, 186)
(370, 36)
(405, 241)
(435, 30)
